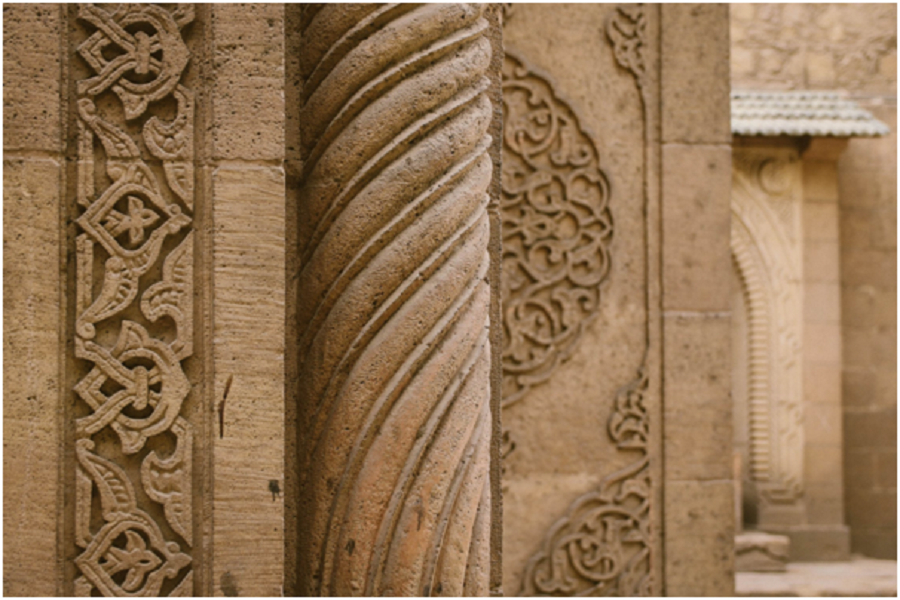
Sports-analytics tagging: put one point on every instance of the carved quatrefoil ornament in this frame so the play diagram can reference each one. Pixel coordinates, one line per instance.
(557, 228)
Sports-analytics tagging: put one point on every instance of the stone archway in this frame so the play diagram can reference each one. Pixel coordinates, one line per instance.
(766, 245)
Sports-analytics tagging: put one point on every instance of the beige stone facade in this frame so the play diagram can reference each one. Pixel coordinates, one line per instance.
(436, 300)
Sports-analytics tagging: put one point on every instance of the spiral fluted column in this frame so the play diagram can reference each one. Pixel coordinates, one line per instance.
(394, 301)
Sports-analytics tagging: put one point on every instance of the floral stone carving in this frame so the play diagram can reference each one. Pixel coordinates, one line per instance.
(557, 227)
(133, 219)
(603, 545)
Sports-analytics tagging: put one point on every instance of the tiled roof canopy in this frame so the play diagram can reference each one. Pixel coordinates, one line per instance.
(801, 113)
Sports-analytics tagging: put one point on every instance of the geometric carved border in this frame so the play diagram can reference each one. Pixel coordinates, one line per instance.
(134, 303)
(766, 247)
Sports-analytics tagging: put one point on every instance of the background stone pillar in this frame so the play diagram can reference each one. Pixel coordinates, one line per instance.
(867, 179)
(394, 301)
(822, 535)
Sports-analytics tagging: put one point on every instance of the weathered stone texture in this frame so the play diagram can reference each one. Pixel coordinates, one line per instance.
(33, 305)
(247, 352)
(696, 221)
(699, 538)
(32, 374)
(32, 77)
(247, 100)
(698, 353)
(698, 186)
(815, 46)
(695, 88)
(246, 271)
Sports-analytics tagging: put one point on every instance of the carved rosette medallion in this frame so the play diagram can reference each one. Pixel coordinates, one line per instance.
(557, 228)
(393, 310)
(134, 303)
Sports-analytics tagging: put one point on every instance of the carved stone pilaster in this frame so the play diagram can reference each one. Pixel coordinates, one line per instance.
(393, 301)
(133, 303)
(767, 248)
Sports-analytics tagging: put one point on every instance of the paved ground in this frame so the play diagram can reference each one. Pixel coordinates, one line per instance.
(857, 577)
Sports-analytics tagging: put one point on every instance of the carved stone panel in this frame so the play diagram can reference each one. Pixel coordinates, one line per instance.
(133, 327)
(767, 248)
(581, 382)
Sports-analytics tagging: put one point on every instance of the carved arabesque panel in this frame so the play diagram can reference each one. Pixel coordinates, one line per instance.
(767, 250)
(557, 227)
(134, 318)
(604, 543)
(602, 546)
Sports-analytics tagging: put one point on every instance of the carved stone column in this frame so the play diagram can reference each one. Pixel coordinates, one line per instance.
(394, 299)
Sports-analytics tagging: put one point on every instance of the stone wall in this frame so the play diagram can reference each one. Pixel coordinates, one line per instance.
(867, 179)
(815, 46)
(33, 304)
(696, 300)
(602, 399)
(144, 300)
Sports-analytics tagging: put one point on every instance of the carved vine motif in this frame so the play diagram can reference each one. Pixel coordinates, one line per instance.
(136, 386)
(626, 29)
(557, 228)
(394, 315)
(602, 546)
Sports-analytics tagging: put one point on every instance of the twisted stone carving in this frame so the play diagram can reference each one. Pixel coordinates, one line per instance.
(393, 301)
(134, 326)
(557, 227)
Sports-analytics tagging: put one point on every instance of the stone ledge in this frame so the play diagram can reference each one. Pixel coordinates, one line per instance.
(756, 551)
